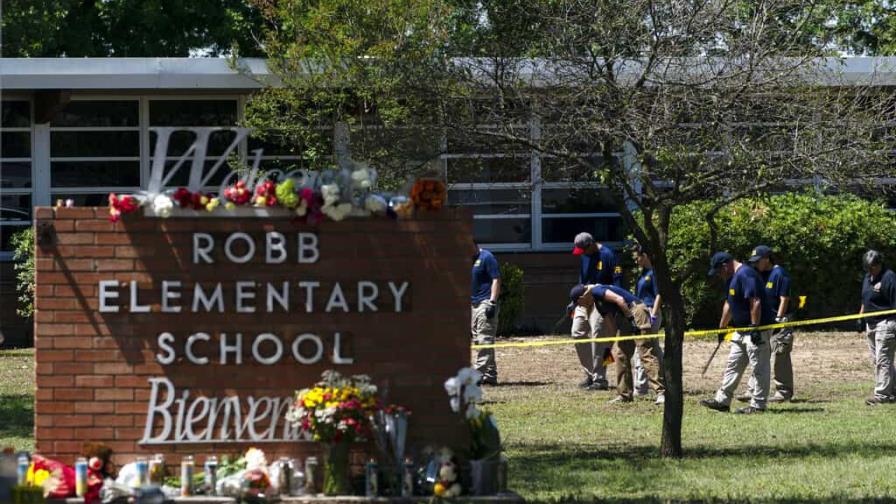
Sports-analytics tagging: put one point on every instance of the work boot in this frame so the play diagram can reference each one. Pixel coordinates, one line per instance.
(779, 398)
(489, 381)
(641, 393)
(599, 385)
(715, 405)
(586, 383)
(749, 410)
(619, 399)
(874, 400)
(745, 397)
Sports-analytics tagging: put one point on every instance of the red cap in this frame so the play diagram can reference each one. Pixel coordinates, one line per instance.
(578, 251)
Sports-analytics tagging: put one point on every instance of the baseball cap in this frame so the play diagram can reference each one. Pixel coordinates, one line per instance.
(759, 252)
(582, 242)
(718, 259)
(574, 294)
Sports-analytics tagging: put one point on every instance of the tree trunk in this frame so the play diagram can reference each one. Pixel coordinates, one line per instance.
(673, 410)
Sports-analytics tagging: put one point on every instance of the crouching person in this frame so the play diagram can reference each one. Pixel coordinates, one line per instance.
(639, 317)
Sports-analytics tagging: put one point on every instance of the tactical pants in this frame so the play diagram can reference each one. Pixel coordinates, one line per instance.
(642, 381)
(483, 331)
(624, 350)
(743, 351)
(882, 344)
(588, 323)
(782, 367)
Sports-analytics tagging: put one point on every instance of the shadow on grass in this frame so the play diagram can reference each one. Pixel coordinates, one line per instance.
(645, 500)
(523, 384)
(16, 415)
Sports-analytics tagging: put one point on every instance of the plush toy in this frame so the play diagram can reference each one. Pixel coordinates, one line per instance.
(99, 467)
(447, 484)
(56, 478)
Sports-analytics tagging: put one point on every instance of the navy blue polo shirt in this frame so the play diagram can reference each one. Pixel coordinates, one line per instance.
(879, 293)
(777, 285)
(598, 291)
(745, 284)
(485, 269)
(601, 267)
(646, 289)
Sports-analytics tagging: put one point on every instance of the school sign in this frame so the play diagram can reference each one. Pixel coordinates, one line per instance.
(190, 334)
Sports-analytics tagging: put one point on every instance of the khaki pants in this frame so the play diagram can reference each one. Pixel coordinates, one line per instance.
(782, 367)
(641, 379)
(483, 331)
(624, 350)
(588, 323)
(743, 351)
(882, 344)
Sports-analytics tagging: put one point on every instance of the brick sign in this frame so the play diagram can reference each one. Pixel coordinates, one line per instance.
(189, 335)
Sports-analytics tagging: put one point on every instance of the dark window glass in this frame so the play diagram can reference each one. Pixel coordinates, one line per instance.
(180, 141)
(485, 142)
(273, 148)
(503, 230)
(95, 173)
(563, 170)
(15, 207)
(6, 234)
(563, 230)
(15, 175)
(182, 177)
(503, 169)
(83, 199)
(576, 200)
(16, 114)
(98, 113)
(492, 201)
(15, 144)
(94, 144)
(192, 113)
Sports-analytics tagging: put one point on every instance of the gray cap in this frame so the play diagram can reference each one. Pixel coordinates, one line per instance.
(582, 242)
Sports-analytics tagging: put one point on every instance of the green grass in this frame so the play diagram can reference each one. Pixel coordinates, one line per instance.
(17, 399)
(565, 445)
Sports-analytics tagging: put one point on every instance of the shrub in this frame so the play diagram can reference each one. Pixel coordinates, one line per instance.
(23, 253)
(818, 239)
(511, 298)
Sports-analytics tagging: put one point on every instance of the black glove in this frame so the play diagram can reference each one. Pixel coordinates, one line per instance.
(755, 335)
(860, 325)
(490, 310)
(631, 320)
(721, 336)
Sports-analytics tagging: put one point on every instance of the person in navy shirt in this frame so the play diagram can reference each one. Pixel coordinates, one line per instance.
(649, 294)
(746, 307)
(486, 287)
(636, 312)
(777, 294)
(879, 294)
(598, 265)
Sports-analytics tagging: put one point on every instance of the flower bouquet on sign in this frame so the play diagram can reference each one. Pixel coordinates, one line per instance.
(337, 412)
(485, 440)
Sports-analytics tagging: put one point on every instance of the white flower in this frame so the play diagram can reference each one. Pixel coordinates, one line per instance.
(162, 205)
(330, 194)
(455, 403)
(454, 491)
(472, 393)
(452, 386)
(337, 212)
(302, 209)
(375, 204)
(359, 176)
(255, 459)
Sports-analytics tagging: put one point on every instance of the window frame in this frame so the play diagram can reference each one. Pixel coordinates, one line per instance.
(6, 256)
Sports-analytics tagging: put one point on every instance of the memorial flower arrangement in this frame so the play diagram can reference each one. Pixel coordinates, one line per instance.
(335, 195)
(464, 397)
(337, 411)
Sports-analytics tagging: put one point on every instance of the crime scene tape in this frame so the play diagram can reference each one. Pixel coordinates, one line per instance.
(697, 333)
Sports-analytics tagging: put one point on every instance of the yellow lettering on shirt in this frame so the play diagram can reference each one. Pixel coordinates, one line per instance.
(730, 292)
(768, 285)
(478, 262)
(600, 265)
(618, 269)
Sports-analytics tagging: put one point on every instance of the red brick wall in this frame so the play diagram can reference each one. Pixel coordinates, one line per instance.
(93, 368)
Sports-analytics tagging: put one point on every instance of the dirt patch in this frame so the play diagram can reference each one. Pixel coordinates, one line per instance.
(821, 361)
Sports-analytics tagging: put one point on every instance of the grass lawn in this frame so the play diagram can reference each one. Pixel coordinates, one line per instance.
(566, 445)
(17, 399)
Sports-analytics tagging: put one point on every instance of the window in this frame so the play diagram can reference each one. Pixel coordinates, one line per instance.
(524, 200)
(15, 171)
(95, 147)
(188, 113)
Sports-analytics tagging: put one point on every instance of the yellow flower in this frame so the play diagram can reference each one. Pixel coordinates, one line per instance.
(230, 205)
(212, 204)
(439, 489)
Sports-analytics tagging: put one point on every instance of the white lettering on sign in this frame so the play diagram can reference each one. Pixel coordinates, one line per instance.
(179, 416)
(173, 417)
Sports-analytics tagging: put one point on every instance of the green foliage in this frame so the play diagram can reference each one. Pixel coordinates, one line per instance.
(129, 28)
(818, 239)
(27, 494)
(511, 299)
(485, 440)
(23, 253)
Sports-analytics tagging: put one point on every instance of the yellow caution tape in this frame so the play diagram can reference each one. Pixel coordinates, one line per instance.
(704, 332)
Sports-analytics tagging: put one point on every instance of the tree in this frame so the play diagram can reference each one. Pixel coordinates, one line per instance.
(661, 102)
(129, 28)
